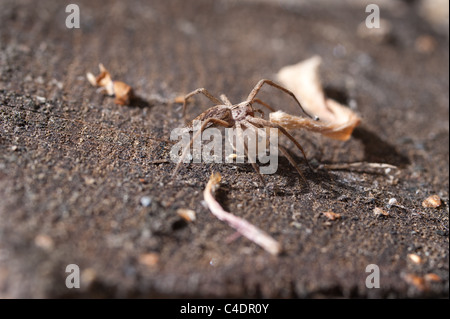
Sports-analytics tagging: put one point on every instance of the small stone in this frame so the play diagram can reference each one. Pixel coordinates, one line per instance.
(39, 80)
(441, 232)
(432, 277)
(213, 262)
(41, 99)
(296, 225)
(393, 201)
(146, 201)
(432, 202)
(44, 241)
(89, 180)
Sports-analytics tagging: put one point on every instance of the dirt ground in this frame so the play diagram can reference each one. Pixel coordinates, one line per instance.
(76, 169)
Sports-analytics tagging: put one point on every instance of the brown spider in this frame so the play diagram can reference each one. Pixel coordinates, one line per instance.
(240, 115)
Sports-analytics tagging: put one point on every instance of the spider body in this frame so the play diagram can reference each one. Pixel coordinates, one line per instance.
(240, 116)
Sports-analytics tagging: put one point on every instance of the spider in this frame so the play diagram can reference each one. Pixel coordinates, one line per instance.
(225, 114)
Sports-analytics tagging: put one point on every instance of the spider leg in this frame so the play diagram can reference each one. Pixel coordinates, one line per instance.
(264, 104)
(253, 162)
(262, 122)
(260, 112)
(198, 91)
(292, 161)
(196, 135)
(259, 85)
(285, 153)
(225, 100)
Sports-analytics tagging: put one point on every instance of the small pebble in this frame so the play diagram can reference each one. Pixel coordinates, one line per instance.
(146, 201)
(441, 232)
(213, 262)
(296, 225)
(41, 99)
(425, 44)
(393, 201)
(149, 259)
(44, 241)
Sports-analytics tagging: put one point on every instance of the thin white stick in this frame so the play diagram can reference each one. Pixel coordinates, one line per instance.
(242, 226)
(356, 165)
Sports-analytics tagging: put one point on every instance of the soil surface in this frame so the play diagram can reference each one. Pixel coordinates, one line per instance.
(78, 178)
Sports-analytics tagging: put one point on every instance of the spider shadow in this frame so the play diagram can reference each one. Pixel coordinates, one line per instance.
(375, 149)
(378, 151)
(140, 102)
(322, 178)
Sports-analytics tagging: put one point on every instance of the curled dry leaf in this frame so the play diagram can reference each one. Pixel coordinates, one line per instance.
(242, 226)
(149, 259)
(187, 214)
(416, 281)
(122, 91)
(44, 241)
(332, 216)
(336, 121)
(432, 202)
(432, 277)
(415, 258)
(378, 212)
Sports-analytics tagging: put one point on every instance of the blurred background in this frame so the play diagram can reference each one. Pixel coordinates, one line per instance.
(75, 167)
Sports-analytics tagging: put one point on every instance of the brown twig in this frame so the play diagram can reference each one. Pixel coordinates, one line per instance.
(242, 226)
(357, 166)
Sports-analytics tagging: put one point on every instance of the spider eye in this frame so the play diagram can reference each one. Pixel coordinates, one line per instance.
(316, 118)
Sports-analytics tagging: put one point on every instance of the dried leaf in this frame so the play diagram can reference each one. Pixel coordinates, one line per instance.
(122, 91)
(149, 259)
(187, 214)
(415, 258)
(332, 215)
(433, 201)
(378, 212)
(432, 277)
(416, 281)
(336, 121)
